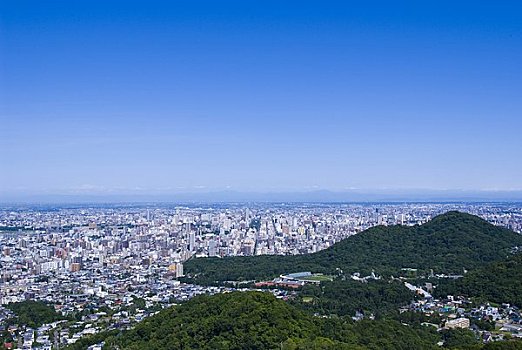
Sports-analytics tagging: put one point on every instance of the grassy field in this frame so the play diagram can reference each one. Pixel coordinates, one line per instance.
(317, 277)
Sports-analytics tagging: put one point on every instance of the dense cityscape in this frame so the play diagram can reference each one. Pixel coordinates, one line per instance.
(126, 261)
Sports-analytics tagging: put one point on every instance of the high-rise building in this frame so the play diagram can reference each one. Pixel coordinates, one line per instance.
(179, 269)
(212, 248)
(192, 241)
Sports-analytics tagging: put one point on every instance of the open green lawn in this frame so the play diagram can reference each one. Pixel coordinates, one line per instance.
(317, 277)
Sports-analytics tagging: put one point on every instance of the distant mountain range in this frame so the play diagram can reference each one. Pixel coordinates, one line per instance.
(449, 243)
(218, 196)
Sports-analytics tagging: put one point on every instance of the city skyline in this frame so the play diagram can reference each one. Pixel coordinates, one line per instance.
(100, 99)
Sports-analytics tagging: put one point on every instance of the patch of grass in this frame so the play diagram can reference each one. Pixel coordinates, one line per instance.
(317, 277)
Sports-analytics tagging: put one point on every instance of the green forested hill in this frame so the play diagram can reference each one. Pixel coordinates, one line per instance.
(499, 282)
(345, 297)
(448, 243)
(34, 313)
(256, 320)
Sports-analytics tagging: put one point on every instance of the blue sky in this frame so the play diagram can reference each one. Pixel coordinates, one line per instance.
(102, 96)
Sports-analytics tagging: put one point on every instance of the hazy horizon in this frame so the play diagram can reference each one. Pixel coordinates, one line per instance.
(231, 196)
(259, 97)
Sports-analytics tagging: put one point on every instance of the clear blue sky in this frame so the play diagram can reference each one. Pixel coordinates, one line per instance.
(260, 95)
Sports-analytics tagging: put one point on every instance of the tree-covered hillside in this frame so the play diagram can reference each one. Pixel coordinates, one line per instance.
(499, 282)
(346, 297)
(256, 320)
(34, 313)
(449, 243)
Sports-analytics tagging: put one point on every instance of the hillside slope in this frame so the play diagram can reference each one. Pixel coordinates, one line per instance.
(498, 282)
(448, 243)
(256, 320)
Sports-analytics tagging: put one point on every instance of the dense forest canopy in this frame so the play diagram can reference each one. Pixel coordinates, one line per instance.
(34, 313)
(346, 297)
(499, 282)
(256, 320)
